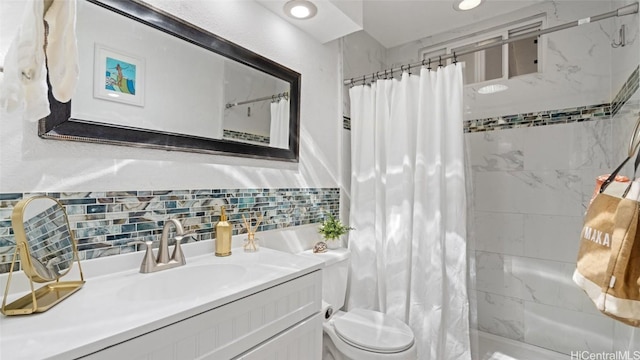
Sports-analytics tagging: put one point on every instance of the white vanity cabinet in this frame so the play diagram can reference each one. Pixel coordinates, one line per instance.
(280, 322)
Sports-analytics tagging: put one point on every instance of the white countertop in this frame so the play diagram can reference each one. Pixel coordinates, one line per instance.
(112, 308)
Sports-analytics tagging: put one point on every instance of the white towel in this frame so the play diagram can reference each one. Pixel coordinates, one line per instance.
(62, 49)
(24, 82)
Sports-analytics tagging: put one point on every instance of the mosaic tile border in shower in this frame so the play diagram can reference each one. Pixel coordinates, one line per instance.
(541, 118)
(244, 136)
(104, 223)
(346, 122)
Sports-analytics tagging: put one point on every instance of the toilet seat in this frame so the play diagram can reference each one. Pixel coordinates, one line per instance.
(373, 331)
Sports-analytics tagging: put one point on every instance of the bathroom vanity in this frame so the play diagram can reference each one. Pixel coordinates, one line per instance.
(263, 305)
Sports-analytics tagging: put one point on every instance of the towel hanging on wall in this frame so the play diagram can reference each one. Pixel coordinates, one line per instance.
(608, 266)
(24, 83)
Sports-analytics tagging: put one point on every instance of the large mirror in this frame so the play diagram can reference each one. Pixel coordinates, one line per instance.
(148, 79)
(47, 251)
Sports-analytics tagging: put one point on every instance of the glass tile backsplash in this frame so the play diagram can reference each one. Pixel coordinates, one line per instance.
(104, 223)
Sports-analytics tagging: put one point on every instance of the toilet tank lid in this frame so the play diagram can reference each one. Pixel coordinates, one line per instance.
(329, 257)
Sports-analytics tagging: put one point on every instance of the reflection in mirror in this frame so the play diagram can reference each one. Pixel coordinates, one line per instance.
(148, 79)
(47, 251)
(251, 97)
(48, 239)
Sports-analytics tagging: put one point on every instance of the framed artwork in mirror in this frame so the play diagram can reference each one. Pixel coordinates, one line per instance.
(118, 76)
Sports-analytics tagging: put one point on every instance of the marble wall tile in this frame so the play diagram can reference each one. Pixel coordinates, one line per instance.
(625, 337)
(552, 237)
(501, 315)
(496, 150)
(556, 192)
(499, 232)
(622, 128)
(497, 274)
(549, 283)
(568, 146)
(564, 331)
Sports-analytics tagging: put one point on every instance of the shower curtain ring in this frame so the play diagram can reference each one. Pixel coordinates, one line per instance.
(429, 66)
(440, 61)
(377, 75)
(352, 84)
(409, 68)
(455, 58)
(401, 68)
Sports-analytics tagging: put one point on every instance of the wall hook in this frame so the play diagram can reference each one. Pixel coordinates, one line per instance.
(621, 34)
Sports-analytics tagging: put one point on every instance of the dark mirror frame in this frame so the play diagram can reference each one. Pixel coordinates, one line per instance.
(61, 126)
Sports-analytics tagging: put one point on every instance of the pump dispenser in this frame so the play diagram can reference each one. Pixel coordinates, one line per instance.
(223, 235)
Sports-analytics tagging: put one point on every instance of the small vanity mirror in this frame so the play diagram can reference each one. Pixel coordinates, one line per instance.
(47, 251)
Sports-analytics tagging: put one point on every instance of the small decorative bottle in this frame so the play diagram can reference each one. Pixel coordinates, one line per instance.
(251, 243)
(223, 235)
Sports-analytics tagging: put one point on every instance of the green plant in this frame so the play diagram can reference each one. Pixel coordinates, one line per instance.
(332, 228)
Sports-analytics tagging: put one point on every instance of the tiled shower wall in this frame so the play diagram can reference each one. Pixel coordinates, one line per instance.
(104, 223)
(532, 184)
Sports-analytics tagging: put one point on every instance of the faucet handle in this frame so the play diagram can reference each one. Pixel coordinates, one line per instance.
(148, 262)
(178, 255)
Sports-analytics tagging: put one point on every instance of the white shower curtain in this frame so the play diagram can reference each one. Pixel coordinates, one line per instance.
(279, 132)
(408, 206)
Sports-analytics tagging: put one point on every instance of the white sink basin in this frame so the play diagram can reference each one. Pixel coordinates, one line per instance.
(181, 282)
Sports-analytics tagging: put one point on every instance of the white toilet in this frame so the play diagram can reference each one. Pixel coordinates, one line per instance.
(358, 334)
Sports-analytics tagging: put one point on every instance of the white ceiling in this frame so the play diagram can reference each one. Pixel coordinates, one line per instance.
(393, 22)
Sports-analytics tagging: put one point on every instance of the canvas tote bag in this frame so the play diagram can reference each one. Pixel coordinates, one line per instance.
(608, 265)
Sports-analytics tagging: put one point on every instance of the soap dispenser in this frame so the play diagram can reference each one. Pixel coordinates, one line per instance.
(223, 235)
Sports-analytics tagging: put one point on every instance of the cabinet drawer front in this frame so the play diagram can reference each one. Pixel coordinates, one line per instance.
(228, 330)
(303, 341)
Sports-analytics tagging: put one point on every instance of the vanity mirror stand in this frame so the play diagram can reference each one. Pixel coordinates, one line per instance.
(47, 251)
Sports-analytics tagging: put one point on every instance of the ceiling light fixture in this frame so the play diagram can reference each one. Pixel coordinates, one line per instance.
(464, 5)
(490, 89)
(300, 9)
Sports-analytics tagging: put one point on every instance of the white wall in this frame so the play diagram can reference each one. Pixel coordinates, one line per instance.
(29, 163)
(362, 54)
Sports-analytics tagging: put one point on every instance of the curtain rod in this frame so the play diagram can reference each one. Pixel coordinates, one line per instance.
(625, 10)
(272, 97)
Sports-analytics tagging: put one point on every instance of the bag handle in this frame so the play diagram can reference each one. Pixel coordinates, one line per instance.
(634, 143)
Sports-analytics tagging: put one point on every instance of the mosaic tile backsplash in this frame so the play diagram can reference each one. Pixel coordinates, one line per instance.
(104, 223)
(243, 136)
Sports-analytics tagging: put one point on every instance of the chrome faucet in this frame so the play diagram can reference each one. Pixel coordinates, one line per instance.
(163, 262)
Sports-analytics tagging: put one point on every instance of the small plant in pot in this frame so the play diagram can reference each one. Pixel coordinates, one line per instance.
(331, 230)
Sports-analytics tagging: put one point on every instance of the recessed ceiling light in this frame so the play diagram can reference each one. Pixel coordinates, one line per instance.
(490, 89)
(300, 9)
(466, 4)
